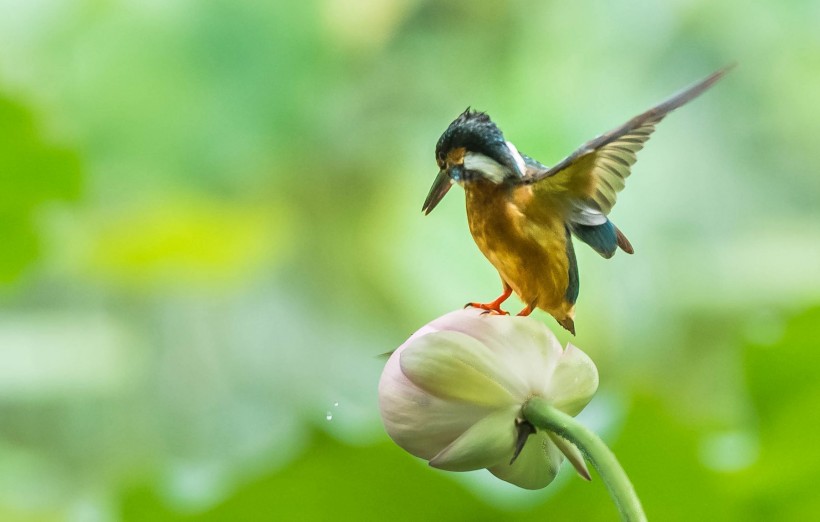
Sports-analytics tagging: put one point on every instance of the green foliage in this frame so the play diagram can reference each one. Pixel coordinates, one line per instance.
(210, 224)
(32, 172)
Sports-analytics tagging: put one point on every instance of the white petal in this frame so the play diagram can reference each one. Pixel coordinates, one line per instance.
(460, 320)
(573, 383)
(455, 366)
(537, 352)
(572, 453)
(441, 389)
(418, 422)
(535, 467)
(487, 443)
(525, 347)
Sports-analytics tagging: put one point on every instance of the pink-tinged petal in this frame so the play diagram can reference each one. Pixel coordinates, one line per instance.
(487, 443)
(537, 352)
(573, 455)
(456, 367)
(418, 422)
(573, 383)
(451, 320)
(450, 395)
(535, 467)
(525, 347)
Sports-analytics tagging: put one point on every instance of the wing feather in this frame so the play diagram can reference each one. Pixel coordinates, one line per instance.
(596, 172)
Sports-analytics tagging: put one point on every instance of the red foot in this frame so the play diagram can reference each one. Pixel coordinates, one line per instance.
(494, 307)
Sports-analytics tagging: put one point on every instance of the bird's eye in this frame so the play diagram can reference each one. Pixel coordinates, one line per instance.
(440, 159)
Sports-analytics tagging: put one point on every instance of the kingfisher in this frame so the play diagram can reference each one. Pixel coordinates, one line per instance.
(523, 214)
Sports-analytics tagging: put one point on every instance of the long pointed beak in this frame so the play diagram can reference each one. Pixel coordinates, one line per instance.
(440, 187)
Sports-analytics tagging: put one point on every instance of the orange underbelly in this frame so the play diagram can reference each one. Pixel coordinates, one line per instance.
(531, 257)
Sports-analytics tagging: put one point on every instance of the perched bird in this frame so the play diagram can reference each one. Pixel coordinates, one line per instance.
(522, 213)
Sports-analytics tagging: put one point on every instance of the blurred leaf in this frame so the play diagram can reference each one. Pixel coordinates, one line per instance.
(180, 242)
(280, 150)
(660, 452)
(20, 246)
(782, 485)
(32, 171)
(333, 482)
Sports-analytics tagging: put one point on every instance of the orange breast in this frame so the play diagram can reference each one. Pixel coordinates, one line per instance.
(528, 249)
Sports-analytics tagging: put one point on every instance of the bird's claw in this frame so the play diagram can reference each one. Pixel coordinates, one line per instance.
(489, 308)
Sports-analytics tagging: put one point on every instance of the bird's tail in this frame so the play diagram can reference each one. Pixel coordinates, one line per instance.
(623, 242)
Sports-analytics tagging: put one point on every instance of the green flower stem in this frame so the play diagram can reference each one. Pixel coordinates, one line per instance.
(541, 415)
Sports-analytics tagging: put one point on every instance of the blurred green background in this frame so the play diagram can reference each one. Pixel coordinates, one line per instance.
(210, 223)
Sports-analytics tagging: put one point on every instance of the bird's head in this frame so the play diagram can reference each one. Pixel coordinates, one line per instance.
(472, 149)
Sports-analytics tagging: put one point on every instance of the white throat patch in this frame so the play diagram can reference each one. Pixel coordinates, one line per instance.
(488, 167)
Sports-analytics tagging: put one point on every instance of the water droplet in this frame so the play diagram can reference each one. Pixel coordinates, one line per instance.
(335, 404)
(329, 416)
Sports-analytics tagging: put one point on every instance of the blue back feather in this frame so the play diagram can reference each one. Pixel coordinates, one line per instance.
(574, 283)
(602, 238)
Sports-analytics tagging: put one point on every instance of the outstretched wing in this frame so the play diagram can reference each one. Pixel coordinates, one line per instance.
(591, 177)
